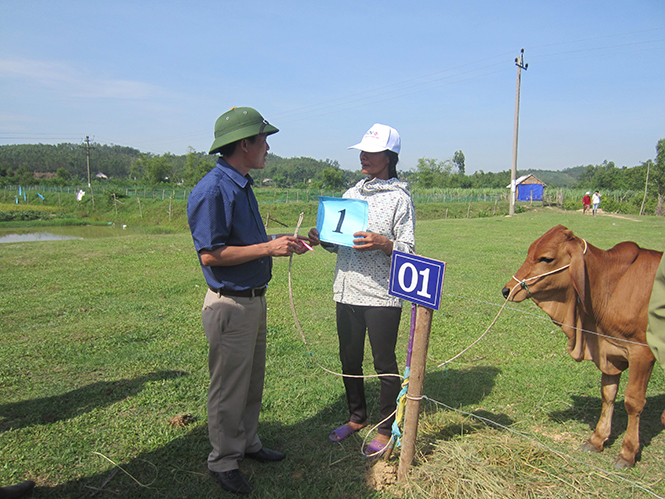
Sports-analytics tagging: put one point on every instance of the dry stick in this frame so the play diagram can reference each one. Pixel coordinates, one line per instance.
(126, 472)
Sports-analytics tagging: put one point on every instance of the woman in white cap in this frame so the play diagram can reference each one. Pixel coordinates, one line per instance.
(362, 278)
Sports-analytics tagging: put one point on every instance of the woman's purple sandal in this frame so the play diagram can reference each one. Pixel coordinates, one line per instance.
(339, 434)
(376, 448)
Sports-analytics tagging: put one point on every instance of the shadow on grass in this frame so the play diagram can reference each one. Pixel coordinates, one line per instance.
(461, 388)
(587, 410)
(315, 466)
(72, 404)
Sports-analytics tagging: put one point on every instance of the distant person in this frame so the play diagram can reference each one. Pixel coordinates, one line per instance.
(596, 202)
(586, 202)
(361, 283)
(16, 491)
(236, 258)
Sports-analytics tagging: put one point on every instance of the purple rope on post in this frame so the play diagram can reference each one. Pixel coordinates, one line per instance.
(413, 330)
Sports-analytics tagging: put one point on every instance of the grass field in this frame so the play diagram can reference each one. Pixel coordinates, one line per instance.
(101, 344)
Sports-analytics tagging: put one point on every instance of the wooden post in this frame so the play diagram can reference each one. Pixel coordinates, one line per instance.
(414, 395)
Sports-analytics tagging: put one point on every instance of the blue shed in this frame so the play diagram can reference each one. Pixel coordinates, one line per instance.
(529, 188)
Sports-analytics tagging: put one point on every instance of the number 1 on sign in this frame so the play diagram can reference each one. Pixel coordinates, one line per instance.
(414, 281)
(338, 229)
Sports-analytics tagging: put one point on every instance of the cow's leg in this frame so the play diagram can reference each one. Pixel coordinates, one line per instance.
(608, 390)
(635, 399)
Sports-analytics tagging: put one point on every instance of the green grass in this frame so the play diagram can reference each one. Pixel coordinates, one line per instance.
(101, 343)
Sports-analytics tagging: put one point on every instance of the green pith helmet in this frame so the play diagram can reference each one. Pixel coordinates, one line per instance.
(239, 123)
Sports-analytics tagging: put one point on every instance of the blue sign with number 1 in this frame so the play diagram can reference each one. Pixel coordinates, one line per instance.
(339, 218)
(417, 279)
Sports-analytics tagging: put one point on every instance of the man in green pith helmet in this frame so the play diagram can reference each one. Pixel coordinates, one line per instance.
(236, 258)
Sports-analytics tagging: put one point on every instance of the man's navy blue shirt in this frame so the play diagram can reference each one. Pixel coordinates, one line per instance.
(222, 211)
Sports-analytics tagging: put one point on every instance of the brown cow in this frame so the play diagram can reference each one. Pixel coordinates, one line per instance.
(586, 290)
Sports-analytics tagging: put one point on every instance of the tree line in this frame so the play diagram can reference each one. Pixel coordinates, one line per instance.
(66, 164)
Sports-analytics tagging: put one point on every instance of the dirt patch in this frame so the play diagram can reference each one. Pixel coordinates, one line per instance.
(381, 475)
(620, 216)
(180, 420)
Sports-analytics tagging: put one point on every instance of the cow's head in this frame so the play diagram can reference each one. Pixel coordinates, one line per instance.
(554, 262)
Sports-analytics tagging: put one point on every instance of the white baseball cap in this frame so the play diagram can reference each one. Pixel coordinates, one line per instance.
(380, 138)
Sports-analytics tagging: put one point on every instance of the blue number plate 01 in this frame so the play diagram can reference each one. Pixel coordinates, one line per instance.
(417, 279)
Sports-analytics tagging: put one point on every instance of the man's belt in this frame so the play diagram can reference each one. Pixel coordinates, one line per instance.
(247, 293)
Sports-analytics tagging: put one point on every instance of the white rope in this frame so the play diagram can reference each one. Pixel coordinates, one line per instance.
(302, 334)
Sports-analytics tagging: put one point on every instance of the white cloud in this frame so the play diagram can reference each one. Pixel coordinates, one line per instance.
(68, 80)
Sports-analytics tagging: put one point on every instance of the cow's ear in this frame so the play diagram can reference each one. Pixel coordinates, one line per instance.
(577, 271)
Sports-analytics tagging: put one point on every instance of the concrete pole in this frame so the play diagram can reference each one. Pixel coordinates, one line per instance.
(519, 62)
(87, 156)
(416, 381)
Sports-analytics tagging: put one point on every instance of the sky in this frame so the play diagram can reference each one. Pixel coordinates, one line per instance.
(156, 75)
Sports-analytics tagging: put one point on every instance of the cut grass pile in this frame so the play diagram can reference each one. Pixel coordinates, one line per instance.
(103, 364)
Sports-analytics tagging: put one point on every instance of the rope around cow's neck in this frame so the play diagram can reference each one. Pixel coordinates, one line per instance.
(524, 284)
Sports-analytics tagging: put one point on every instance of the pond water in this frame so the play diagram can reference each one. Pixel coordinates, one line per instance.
(60, 233)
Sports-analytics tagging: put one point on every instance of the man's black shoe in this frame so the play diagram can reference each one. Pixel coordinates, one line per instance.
(265, 455)
(16, 491)
(233, 481)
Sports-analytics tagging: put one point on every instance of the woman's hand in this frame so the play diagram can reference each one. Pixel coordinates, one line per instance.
(369, 241)
(313, 237)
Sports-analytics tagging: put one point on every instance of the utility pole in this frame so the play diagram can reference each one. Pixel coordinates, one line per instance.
(519, 62)
(87, 156)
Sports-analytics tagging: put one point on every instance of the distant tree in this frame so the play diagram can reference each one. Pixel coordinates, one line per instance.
(657, 175)
(433, 173)
(24, 175)
(63, 174)
(333, 178)
(196, 167)
(458, 161)
(158, 170)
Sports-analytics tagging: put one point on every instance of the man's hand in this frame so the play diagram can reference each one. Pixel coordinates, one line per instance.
(283, 245)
